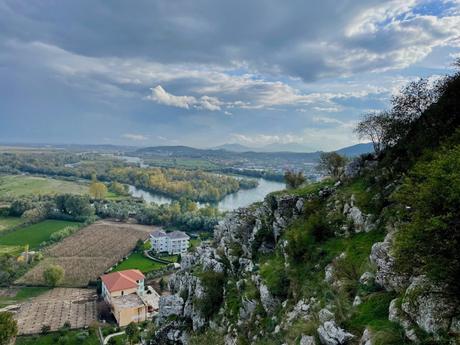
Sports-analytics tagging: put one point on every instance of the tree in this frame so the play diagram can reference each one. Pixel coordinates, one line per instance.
(331, 163)
(132, 332)
(53, 275)
(8, 328)
(374, 126)
(118, 188)
(98, 190)
(162, 284)
(294, 179)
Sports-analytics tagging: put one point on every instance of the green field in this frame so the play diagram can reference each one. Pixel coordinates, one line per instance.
(23, 294)
(20, 185)
(34, 234)
(77, 337)
(140, 262)
(13, 250)
(9, 222)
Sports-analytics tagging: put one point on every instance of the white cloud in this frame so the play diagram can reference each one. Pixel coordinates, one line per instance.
(161, 96)
(134, 137)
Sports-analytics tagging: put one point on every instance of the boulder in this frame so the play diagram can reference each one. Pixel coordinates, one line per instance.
(367, 278)
(248, 306)
(366, 338)
(395, 314)
(386, 274)
(325, 315)
(269, 302)
(331, 334)
(430, 305)
(307, 340)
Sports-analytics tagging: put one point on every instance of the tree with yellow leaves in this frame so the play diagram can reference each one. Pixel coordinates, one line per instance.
(98, 190)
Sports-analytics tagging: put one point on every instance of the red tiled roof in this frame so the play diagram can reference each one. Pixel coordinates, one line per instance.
(122, 280)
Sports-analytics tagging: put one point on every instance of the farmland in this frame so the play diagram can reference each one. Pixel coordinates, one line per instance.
(9, 222)
(34, 234)
(15, 295)
(89, 253)
(55, 307)
(21, 185)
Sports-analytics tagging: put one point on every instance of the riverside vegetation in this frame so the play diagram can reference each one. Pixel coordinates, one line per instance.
(368, 257)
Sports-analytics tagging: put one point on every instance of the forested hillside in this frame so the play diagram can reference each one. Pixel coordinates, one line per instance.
(369, 258)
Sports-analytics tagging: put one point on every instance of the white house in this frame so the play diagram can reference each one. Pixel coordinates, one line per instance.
(176, 242)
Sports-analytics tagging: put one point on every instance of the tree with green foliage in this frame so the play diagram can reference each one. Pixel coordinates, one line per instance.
(53, 275)
(331, 164)
(294, 179)
(8, 328)
(428, 242)
(374, 126)
(162, 284)
(213, 284)
(132, 332)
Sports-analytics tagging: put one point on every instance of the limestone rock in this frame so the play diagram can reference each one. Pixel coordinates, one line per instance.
(366, 339)
(307, 340)
(395, 314)
(269, 302)
(386, 275)
(325, 315)
(430, 306)
(367, 278)
(247, 309)
(331, 334)
(357, 301)
(170, 305)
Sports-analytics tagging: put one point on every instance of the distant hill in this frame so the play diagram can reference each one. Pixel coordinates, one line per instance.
(356, 150)
(234, 148)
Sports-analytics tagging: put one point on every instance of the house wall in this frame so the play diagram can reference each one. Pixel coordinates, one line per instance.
(172, 246)
(127, 315)
(123, 292)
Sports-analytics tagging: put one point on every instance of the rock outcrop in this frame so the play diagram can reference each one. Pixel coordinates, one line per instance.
(331, 334)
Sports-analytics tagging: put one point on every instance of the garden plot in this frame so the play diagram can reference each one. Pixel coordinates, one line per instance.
(56, 307)
(88, 253)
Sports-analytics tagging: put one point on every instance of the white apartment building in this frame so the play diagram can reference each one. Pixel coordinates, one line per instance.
(176, 242)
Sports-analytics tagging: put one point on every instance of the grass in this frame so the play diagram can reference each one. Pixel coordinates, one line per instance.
(34, 234)
(20, 185)
(77, 337)
(10, 222)
(23, 294)
(373, 313)
(13, 250)
(194, 242)
(140, 262)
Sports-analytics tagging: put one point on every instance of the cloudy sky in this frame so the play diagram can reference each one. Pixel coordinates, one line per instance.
(208, 72)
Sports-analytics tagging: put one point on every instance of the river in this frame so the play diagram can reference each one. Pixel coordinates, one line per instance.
(242, 198)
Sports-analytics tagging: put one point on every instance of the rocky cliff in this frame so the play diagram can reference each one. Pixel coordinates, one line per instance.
(261, 282)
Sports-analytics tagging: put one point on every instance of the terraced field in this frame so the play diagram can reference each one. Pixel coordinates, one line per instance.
(89, 253)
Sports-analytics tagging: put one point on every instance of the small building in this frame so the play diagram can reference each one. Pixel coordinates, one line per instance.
(124, 291)
(175, 242)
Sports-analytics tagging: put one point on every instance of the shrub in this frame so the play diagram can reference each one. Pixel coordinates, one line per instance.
(428, 242)
(213, 283)
(275, 277)
(53, 275)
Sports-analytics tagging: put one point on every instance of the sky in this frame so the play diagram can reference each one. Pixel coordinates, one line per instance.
(207, 72)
